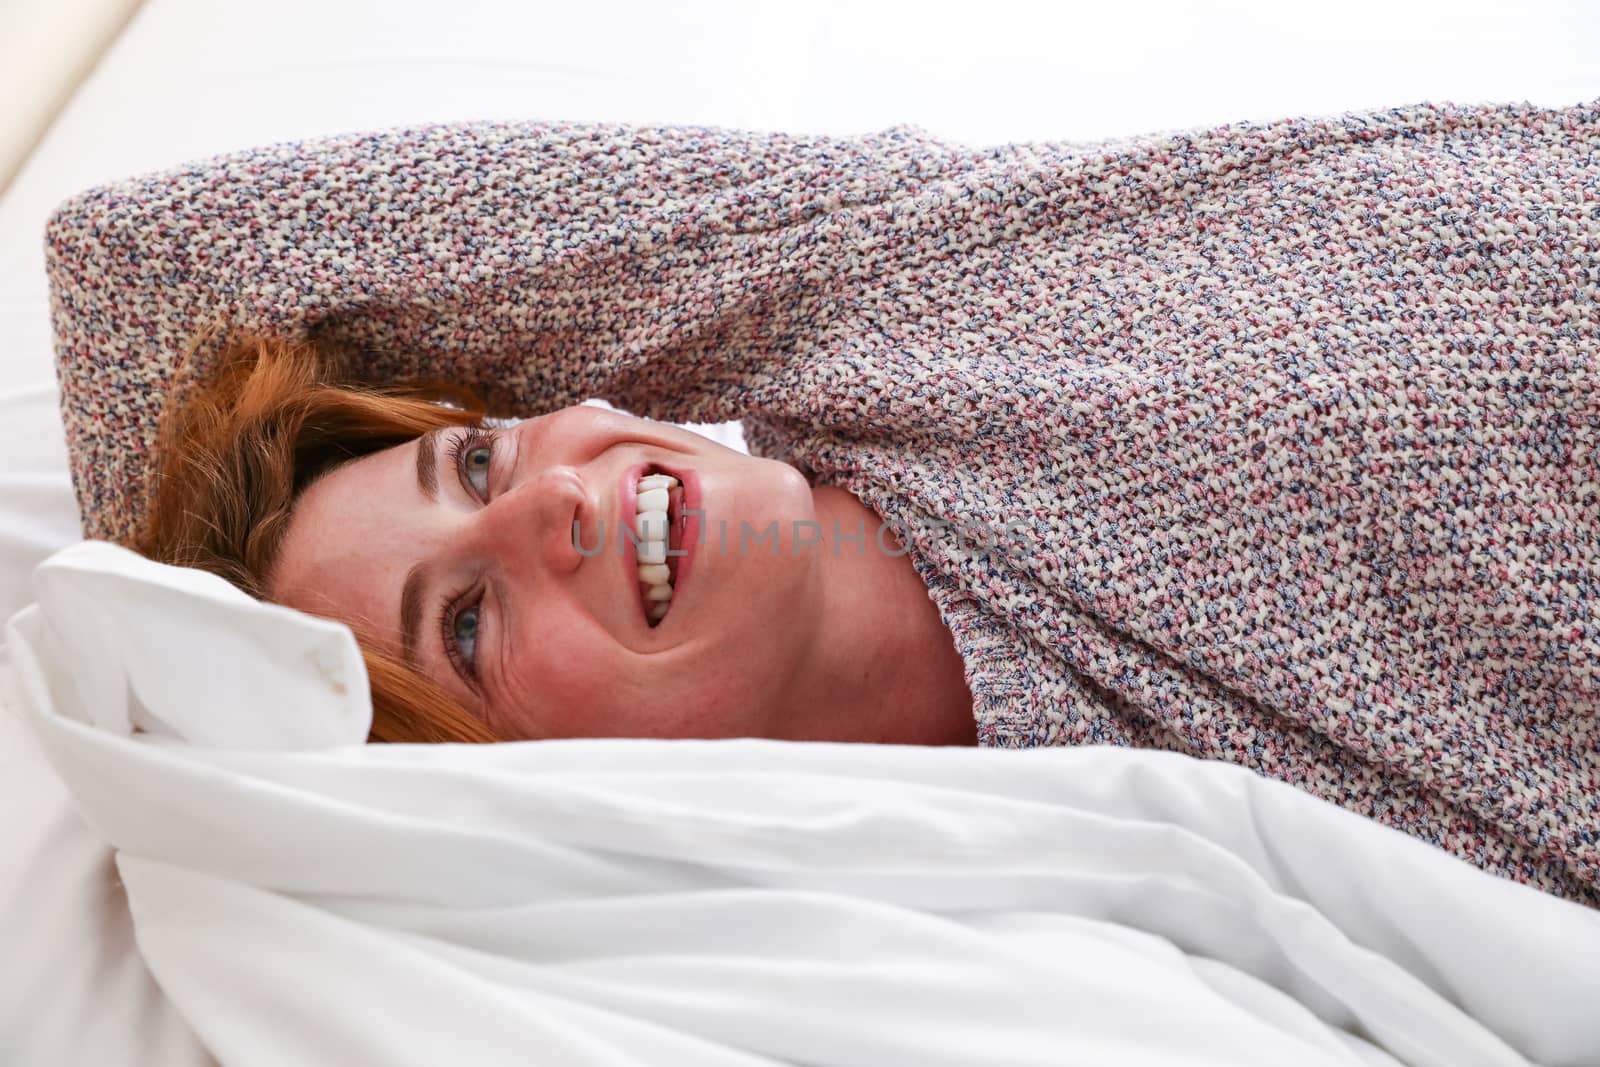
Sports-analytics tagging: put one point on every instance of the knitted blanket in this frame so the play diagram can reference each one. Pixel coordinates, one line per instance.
(1273, 444)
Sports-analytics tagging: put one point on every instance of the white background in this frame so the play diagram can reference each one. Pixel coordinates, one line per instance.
(188, 78)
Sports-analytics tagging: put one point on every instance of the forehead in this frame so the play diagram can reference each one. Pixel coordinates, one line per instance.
(353, 534)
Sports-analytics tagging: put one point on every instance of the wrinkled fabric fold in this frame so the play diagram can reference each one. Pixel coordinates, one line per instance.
(754, 902)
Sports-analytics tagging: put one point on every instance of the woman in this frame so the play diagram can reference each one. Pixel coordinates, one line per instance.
(1268, 444)
(529, 571)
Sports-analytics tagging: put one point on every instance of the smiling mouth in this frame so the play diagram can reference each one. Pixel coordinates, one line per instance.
(657, 528)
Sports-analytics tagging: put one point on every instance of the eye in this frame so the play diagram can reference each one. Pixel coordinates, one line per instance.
(476, 465)
(460, 628)
(466, 635)
(472, 453)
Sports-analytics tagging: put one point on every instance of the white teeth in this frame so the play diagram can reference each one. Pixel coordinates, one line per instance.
(650, 530)
(650, 525)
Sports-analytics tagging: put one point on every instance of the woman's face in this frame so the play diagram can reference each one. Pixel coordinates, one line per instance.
(459, 553)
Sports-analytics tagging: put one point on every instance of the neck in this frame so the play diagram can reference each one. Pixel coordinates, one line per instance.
(885, 669)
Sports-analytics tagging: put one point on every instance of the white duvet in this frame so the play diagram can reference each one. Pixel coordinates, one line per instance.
(303, 898)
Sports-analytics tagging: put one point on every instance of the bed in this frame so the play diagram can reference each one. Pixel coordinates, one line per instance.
(595, 902)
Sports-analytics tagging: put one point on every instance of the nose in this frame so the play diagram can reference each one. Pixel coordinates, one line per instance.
(532, 522)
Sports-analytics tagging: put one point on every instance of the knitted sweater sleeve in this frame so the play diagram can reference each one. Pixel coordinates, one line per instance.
(669, 270)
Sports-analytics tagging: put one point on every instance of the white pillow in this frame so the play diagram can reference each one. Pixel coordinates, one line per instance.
(175, 651)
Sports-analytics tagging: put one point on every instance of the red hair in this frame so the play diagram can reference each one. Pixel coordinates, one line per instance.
(234, 453)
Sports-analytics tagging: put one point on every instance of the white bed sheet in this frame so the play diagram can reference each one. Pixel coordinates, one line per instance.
(302, 897)
(188, 78)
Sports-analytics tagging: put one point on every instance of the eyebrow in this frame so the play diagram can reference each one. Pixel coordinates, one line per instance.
(417, 577)
(428, 463)
(411, 610)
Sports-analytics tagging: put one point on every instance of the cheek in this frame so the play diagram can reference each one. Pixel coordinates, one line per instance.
(558, 682)
(568, 687)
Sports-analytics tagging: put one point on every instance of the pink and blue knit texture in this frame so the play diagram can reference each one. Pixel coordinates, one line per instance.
(1300, 418)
